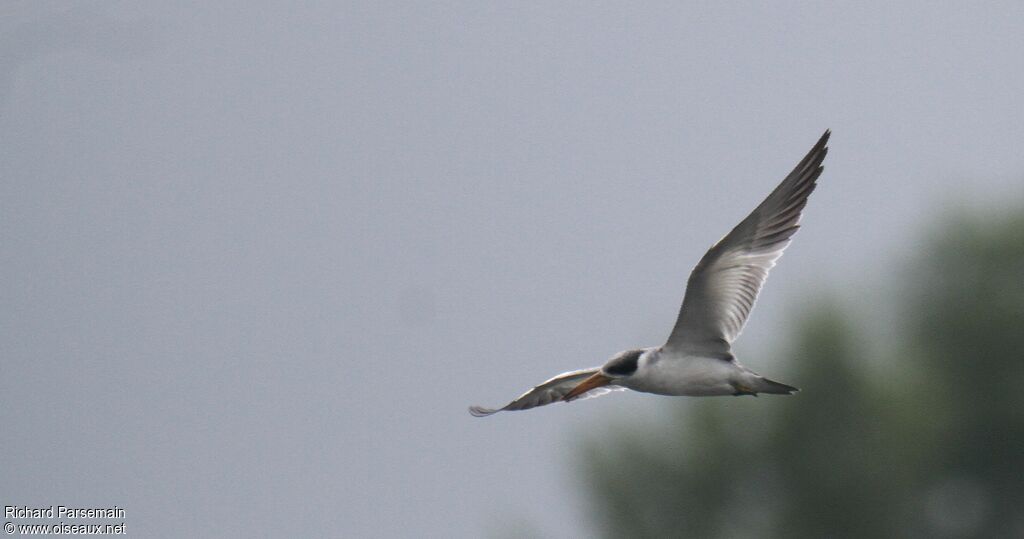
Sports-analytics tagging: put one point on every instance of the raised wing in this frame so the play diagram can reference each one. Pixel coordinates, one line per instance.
(724, 285)
(551, 391)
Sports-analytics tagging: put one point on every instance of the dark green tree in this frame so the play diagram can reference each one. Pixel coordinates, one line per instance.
(925, 441)
(968, 329)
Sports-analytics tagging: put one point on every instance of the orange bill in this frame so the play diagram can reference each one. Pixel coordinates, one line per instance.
(597, 380)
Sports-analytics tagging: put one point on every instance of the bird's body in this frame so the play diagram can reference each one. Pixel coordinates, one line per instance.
(664, 373)
(697, 360)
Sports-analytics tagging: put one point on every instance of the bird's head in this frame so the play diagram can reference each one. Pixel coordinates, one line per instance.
(620, 366)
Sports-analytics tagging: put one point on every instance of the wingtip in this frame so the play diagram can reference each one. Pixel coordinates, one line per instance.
(823, 140)
(480, 411)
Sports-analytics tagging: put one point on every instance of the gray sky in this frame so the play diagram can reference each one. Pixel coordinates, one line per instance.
(257, 260)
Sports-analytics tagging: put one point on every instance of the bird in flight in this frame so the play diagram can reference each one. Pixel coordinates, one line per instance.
(697, 360)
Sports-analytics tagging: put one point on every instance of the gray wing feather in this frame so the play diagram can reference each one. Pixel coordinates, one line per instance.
(550, 391)
(724, 285)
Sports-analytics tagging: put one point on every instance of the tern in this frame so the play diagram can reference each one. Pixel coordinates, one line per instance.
(697, 359)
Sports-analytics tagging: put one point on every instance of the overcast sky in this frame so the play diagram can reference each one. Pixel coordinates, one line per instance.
(257, 259)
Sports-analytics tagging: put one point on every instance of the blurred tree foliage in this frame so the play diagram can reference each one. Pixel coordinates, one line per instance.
(925, 441)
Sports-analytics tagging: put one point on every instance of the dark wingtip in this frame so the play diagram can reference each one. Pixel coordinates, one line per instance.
(480, 411)
(822, 145)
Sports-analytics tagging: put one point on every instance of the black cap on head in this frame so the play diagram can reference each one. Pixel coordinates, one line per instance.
(623, 364)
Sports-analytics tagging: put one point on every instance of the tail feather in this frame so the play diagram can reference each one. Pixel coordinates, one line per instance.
(775, 388)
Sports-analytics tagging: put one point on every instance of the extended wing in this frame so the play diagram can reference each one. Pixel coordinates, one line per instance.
(550, 391)
(724, 285)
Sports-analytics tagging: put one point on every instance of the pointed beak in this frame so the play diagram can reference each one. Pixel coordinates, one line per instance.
(597, 380)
